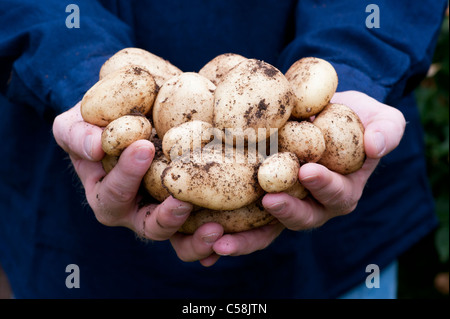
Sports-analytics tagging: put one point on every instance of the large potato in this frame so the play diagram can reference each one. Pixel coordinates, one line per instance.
(304, 139)
(122, 132)
(129, 90)
(212, 180)
(314, 81)
(183, 98)
(187, 137)
(278, 172)
(344, 138)
(232, 221)
(159, 68)
(252, 95)
(217, 68)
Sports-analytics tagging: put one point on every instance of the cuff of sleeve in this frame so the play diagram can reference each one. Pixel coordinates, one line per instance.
(352, 79)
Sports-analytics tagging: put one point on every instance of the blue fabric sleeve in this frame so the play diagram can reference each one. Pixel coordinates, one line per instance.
(50, 65)
(386, 62)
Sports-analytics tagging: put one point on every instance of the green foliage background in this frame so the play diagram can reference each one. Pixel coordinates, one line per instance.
(433, 100)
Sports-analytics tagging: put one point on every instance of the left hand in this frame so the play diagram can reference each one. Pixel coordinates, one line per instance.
(333, 194)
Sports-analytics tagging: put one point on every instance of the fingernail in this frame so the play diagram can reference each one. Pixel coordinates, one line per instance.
(142, 154)
(380, 143)
(88, 145)
(210, 238)
(310, 180)
(277, 207)
(181, 211)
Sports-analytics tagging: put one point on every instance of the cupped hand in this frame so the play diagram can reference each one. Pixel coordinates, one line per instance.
(331, 194)
(115, 199)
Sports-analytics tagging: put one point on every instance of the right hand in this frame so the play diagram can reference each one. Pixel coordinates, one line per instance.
(114, 198)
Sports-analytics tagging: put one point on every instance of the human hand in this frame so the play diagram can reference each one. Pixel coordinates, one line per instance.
(115, 198)
(332, 194)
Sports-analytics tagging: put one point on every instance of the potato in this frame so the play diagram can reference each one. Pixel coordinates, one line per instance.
(129, 90)
(344, 139)
(304, 139)
(183, 98)
(314, 81)
(278, 172)
(120, 133)
(108, 162)
(213, 180)
(218, 67)
(187, 137)
(152, 179)
(297, 190)
(253, 95)
(160, 69)
(232, 221)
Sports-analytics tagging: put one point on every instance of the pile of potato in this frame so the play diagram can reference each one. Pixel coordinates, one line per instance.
(227, 135)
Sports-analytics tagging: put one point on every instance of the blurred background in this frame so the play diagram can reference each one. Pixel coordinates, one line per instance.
(424, 269)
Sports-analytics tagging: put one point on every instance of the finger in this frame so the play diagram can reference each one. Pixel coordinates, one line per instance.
(247, 242)
(76, 137)
(293, 213)
(384, 133)
(115, 196)
(335, 191)
(199, 245)
(164, 220)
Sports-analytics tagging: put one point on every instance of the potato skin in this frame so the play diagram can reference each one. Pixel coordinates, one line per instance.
(304, 139)
(252, 95)
(122, 132)
(297, 190)
(232, 221)
(160, 69)
(209, 179)
(314, 81)
(129, 90)
(152, 179)
(278, 172)
(216, 69)
(344, 139)
(108, 162)
(187, 137)
(183, 98)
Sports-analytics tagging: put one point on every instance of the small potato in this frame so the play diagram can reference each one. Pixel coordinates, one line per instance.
(183, 98)
(159, 68)
(304, 139)
(278, 172)
(232, 221)
(254, 94)
(188, 137)
(344, 139)
(152, 179)
(212, 180)
(297, 190)
(129, 90)
(108, 162)
(123, 131)
(314, 82)
(218, 67)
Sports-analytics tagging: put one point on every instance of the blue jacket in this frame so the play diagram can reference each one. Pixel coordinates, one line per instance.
(45, 68)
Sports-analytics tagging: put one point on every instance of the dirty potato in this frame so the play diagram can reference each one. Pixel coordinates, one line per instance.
(217, 68)
(213, 180)
(254, 94)
(278, 172)
(304, 139)
(232, 221)
(183, 98)
(129, 90)
(344, 138)
(160, 69)
(314, 82)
